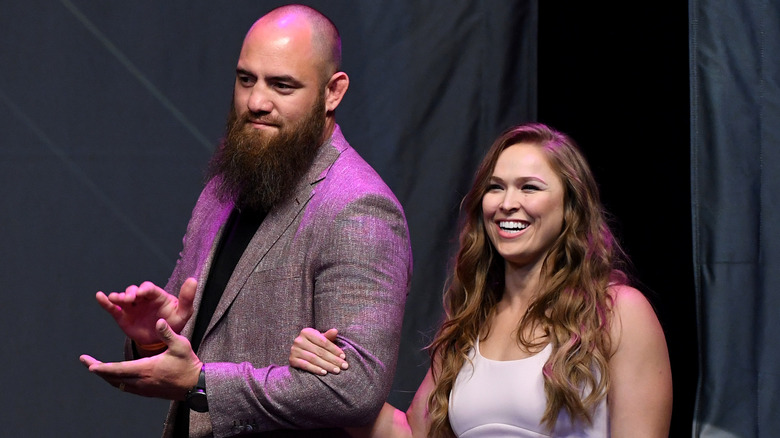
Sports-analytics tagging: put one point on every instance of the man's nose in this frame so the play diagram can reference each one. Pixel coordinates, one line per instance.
(259, 101)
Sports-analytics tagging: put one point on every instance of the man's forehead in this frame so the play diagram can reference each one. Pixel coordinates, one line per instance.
(290, 24)
(280, 56)
(277, 41)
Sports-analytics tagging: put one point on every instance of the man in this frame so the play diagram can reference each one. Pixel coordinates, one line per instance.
(292, 230)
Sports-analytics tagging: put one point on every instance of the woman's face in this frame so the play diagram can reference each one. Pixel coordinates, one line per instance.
(523, 206)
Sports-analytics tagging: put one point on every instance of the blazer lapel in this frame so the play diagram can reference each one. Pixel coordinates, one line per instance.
(278, 220)
(215, 229)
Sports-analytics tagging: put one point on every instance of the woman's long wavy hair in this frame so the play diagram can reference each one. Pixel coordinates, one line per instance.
(572, 306)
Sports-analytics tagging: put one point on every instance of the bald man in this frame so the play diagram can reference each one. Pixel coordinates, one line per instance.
(292, 230)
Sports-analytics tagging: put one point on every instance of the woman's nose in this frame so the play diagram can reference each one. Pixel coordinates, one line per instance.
(511, 201)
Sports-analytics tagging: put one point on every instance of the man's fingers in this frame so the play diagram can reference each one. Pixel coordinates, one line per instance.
(148, 291)
(107, 305)
(111, 371)
(166, 334)
(177, 344)
(107, 372)
(186, 298)
(125, 298)
(88, 360)
(147, 286)
(128, 296)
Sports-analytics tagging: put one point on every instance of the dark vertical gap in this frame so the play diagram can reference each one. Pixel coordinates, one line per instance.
(616, 80)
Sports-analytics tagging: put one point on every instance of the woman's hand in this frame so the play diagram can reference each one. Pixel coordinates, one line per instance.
(317, 353)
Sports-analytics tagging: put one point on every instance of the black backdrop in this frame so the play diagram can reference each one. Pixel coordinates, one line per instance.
(109, 112)
(616, 79)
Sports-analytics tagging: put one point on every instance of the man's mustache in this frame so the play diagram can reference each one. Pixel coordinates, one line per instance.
(263, 119)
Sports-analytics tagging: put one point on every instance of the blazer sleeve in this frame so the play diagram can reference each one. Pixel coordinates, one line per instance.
(361, 267)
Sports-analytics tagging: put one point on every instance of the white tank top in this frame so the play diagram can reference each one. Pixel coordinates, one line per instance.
(497, 399)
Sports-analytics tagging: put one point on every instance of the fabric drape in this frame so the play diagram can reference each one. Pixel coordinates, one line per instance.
(735, 155)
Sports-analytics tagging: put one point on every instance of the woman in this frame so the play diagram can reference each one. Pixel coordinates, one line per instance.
(542, 335)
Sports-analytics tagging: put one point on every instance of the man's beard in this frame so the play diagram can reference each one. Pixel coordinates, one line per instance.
(257, 170)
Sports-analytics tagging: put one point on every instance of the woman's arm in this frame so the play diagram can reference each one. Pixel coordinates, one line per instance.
(640, 395)
(392, 423)
(417, 414)
(317, 353)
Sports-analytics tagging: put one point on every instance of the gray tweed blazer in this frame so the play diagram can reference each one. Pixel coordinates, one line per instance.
(336, 254)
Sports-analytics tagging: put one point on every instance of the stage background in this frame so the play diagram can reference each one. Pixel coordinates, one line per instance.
(735, 154)
(109, 112)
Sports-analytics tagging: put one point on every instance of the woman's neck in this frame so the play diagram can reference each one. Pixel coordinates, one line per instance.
(521, 284)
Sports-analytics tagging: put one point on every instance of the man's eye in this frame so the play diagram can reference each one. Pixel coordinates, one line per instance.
(245, 80)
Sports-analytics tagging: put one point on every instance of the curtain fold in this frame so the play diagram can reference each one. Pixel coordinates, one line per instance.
(735, 157)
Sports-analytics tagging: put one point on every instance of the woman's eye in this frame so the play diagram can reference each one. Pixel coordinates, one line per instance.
(530, 187)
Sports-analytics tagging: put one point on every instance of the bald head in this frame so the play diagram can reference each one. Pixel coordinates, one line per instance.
(289, 66)
(322, 33)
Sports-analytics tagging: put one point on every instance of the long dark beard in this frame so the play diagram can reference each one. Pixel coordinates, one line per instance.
(257, 170)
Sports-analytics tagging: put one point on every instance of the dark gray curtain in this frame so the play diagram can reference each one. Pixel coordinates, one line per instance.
(109, 112)
(735, 134)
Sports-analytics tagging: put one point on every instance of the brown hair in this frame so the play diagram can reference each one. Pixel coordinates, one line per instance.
(572, 306)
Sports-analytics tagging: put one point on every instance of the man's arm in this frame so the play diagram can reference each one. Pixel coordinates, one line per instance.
(316, 353)
(361, 275)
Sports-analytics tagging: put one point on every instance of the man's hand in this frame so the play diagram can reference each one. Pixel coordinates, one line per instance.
(168, 375)
(137, 309)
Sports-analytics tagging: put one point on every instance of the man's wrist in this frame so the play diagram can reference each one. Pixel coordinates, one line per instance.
(138, 350)
(159, 346)
(196, 396)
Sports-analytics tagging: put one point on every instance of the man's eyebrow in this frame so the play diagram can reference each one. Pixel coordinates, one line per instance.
(241, 71)
(283, 78)
(277, 78)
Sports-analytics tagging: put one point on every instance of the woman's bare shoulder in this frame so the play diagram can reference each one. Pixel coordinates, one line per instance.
(632, 315)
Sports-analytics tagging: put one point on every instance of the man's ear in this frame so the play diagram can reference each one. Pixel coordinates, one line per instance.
(334, 91)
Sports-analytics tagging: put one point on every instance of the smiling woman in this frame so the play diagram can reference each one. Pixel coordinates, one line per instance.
(523, 207)
(538, 311)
